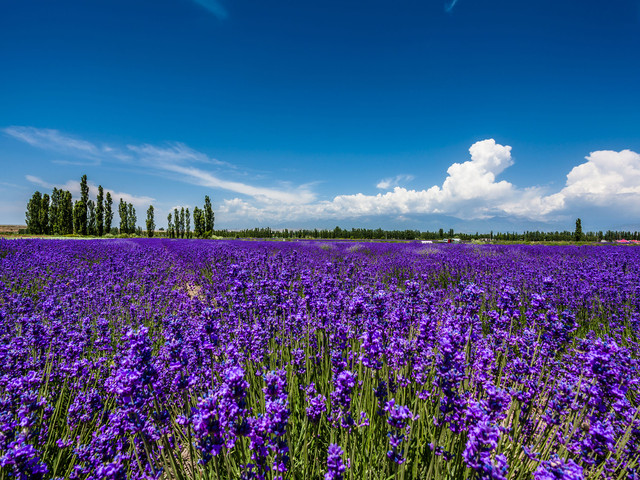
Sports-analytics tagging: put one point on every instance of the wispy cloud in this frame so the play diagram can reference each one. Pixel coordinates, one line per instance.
(449, 6)
(201, 177)
(177, 158)
(215, 7)
(175, 152)
(11, 185)
(193, 167)
(387, 183)
(53, 140)
(74, 187)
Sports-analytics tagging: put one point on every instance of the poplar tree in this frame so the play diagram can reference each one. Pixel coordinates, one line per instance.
(122, 212)
(131, 217)
(208, 217)
(151, 226)
(44, 215)
(188, 223)
(100, 211)
(578, 232)
(198, 222)
(169, 226)
(66, 213)
(176, 223)
(32, 215)
(182, 223)
(79, 218)
(108, 213)
(54, 211)
(84, 198)
(91, 226)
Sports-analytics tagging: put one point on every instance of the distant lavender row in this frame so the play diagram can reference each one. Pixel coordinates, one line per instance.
(204, 359)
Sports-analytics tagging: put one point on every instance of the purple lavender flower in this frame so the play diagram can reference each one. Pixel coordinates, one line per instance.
(277, 417)
(558, 469)
(298, 360)
(23, 460)
(398, 419)
(220, 417)
(497, 470)
(482, 440)
(341, 399)
(373, 349)
(335, 466)
(450, 365)
(317, 403)
(380, 392)
(207, 428)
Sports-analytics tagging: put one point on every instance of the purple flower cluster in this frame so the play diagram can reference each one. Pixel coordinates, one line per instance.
(341, 398)
(558, 469)
(220, 417)
(335, 466)
(398, 418)
(482, 440)
(317, 403)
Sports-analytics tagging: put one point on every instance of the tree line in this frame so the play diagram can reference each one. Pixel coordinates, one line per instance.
(179, 222)
(439, 235)
(58, 214)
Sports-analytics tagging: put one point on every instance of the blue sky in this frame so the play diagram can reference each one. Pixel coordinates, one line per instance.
(408, 114)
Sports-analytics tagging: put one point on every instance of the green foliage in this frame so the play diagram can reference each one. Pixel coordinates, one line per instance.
(128, 218)
(182, 223)
(91, 225)
(578, 232)
(108, 213)
(32, 216)
(151, 226)
(80, 218)
(122, 213)
(56, 197)
(84, 198)
(170, 226)
(44, 215)
(176, 223)
(131, 218)
(84, 189)
(65, 214)
(209, 217)
(198, 222)
(100, 211)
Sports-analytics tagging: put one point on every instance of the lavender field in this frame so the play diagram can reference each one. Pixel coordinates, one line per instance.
(210, 359)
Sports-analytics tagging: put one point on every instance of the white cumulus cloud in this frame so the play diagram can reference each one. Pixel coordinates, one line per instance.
(469, 191)
(605, 177)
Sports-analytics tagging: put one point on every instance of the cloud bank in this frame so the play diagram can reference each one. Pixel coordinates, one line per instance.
(471, 190)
